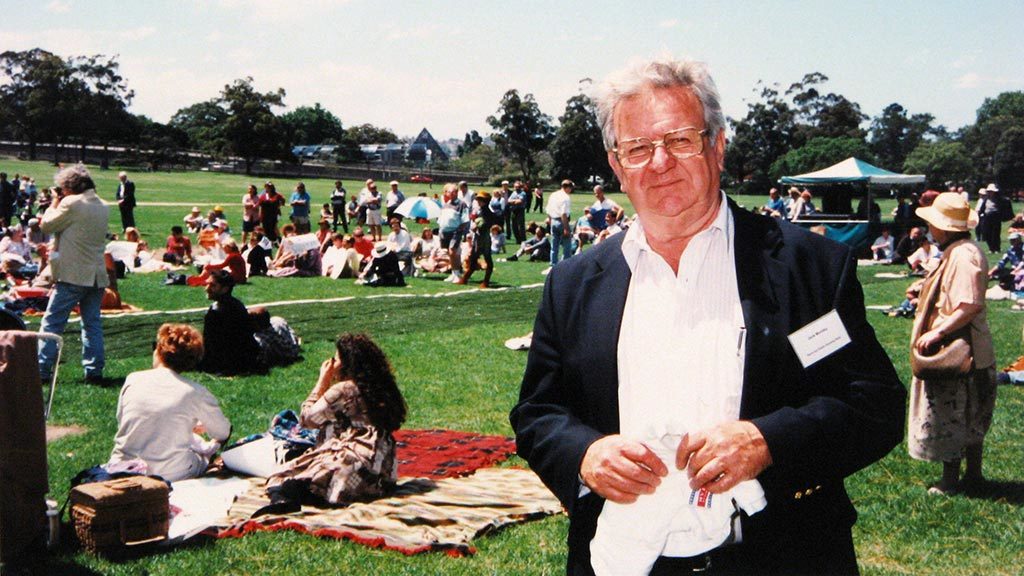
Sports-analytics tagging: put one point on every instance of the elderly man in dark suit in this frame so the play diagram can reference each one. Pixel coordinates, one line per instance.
(699, 387)
(126, 200)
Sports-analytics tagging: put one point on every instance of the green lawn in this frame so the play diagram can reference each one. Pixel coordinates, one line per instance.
(454, 372)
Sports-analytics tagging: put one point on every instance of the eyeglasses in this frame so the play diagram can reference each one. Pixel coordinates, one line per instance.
(681, 143)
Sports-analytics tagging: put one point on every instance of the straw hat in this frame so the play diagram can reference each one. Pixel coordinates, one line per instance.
(949, 212)
(381, 249)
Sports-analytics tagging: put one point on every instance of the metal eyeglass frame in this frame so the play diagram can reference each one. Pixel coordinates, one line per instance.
(654, 146)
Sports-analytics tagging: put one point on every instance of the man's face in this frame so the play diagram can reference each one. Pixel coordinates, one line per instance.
(122, 178)
(599, 193)
(214, 289)
(915, 232)
(667, 188)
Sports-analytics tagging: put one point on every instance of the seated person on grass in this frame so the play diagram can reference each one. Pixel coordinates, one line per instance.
(907, 245)
(431, 257)
(194, 220)
(498, 240)
(233, 263)
(230, 347)
(537, 248)
(1003, 270)
(279, 345)
(883, 246)
(383, 270)
(341, 260)
(178, 250)
(356, 406)
(925, 258)
(585, 232)
(257, 254)
(160, 413)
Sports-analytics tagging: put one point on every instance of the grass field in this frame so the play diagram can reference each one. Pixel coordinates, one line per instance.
(454, 373)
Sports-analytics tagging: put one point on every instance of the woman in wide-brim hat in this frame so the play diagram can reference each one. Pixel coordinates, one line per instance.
(950, 417)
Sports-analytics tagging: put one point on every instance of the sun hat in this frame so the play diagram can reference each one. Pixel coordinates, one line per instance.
(949, 212)
(928, 197)
(483, 195)
(195, 209)
(218, 208)
(992, 187)
(381, 249)
(393, 183)
(1015, 236)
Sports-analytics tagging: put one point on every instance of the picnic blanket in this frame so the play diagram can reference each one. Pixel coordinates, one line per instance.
(422, 515)
(447, 453)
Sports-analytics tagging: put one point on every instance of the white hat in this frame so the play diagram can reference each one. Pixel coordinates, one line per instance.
(992, 187)
(394, 183)
(381, 249)
(949, 212)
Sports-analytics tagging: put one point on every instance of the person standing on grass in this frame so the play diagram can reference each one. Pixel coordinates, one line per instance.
(695, 428)
(338, 208)
(394, 199)
(559, 211)
(270, 211)
(300, 209)
(78, 221)
(950, 417)
(125, 197)
(518, 202)
(250, 212)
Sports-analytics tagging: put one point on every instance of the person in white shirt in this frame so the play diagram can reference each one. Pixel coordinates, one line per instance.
(559, 210)
(603, 205)
(883, 246)
(394, 199)
(670, 400)
(160, 413)
(400, 241)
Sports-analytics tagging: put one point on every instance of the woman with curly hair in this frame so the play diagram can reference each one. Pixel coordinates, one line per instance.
(356, 406)
(160, 412)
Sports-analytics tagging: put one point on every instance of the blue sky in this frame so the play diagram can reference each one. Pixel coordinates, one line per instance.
(445, 64)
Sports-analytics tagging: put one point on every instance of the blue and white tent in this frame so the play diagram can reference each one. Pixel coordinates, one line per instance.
(852, 170)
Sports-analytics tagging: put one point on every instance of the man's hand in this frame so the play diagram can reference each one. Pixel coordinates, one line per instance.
(929, 341)
(621, 470)
(719, 458)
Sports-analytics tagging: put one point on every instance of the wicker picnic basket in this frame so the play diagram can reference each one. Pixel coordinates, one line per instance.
(112, 515)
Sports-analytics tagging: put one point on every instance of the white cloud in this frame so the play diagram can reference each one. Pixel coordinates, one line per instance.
(58, 7)
(975, 80)
(277, 12)
(140, 33)
(966, 60)
(670, 23)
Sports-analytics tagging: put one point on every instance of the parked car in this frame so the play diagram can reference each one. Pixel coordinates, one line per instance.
(420, 178)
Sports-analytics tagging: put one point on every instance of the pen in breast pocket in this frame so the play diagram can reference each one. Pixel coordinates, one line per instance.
(739, 339)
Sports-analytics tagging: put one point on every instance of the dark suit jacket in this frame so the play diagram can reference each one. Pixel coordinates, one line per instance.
(127, 193)
(821, 423)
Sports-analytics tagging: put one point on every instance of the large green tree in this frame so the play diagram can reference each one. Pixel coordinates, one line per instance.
(370, 134)
(943, 162)
(764, 134)
(483, 160)
(521, 131)
(44, 97)
(203, 124)
(894, 134)
(823, 115)
(577, 152)
(995, 117)
(469, 143)
(251, 130)
(1008, 160)
(311, 125)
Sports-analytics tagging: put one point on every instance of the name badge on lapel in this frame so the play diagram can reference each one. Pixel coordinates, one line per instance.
(819, 338)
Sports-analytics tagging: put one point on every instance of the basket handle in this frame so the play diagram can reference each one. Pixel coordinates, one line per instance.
(124, 485)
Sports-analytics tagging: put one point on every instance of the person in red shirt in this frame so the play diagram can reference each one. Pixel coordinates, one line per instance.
(363, 244)
(234, 263)
(178, 248)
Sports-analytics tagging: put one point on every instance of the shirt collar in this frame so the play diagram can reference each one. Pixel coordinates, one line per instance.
(635, 241)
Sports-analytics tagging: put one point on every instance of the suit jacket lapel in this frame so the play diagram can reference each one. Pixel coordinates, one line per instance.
(609, 286)
(762, 282)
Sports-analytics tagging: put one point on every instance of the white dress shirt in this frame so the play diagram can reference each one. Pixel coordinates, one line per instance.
(559, 204)
(680, 358)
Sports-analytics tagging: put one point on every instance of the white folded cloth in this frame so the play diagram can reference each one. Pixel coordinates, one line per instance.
(684, 522)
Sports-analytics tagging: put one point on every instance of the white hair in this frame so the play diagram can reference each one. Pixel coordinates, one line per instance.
(663, 72)
(75, 178)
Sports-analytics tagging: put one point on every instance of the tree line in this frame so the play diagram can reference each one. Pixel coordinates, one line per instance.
(804, 127)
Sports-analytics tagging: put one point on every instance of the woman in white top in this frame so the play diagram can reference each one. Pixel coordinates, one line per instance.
(160, 412)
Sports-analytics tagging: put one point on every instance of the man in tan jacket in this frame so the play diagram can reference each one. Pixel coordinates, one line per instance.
(77, 219)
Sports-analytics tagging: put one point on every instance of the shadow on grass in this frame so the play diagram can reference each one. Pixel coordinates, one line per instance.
(1009, 491)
